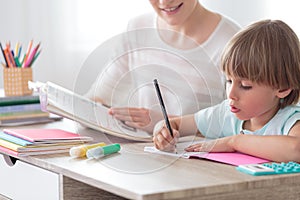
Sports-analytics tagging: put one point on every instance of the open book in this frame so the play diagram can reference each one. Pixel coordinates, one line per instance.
(232, 158)
(61, 101)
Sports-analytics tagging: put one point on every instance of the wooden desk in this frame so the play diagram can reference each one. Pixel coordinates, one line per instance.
(135, 174)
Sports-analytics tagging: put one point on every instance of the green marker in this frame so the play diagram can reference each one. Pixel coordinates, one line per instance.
(99, 152)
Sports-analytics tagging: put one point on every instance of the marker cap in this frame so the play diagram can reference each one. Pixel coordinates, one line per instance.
(99, 152)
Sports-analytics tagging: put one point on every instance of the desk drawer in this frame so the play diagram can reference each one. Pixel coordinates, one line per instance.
(24, 181)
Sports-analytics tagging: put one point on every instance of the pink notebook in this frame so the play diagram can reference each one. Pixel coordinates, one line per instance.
(46, 135)
(234, 158)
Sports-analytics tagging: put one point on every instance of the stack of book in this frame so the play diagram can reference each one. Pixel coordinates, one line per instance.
(25, 142)
(21, 110)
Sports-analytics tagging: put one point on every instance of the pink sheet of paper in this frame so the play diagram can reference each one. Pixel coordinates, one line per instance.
(45, 135)
(234, 158)
(8, 151)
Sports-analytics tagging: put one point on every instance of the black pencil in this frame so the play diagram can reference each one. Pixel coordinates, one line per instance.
(162, 105)
(2, 50)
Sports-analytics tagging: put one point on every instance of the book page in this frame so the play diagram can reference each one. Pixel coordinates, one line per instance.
(92, 114)
(180, 152)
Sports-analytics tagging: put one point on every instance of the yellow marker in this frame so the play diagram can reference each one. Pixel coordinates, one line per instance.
(80, 151)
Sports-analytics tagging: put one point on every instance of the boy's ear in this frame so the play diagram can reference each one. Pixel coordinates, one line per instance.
(282, 93)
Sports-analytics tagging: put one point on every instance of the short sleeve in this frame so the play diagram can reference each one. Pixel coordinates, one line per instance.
(210, 121)
(283, 121)
(291, 121)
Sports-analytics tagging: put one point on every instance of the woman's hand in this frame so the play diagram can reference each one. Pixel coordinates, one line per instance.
(140, 118)
(162, 138)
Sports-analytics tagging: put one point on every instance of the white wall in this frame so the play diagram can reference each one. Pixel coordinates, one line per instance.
(247, 11)
(69, 30)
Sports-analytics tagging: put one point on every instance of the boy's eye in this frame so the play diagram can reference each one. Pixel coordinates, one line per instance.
(228, 81)
(246, 87)
(241, 84)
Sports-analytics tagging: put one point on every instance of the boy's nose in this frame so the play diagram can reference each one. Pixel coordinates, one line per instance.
(231, 93)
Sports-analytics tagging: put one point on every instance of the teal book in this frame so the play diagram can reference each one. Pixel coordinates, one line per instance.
(14, 139)
(19, 100)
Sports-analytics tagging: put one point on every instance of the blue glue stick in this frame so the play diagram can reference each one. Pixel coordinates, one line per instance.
(99, 152)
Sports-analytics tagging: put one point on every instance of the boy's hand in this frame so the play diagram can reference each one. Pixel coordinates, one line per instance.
(218, 145)
(162, 138)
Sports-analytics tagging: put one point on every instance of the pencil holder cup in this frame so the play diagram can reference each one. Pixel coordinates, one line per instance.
(16, 81)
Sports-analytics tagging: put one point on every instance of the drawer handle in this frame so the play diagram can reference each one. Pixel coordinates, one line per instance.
(11, 161)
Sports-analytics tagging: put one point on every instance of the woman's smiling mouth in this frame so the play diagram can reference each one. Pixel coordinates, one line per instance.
(172, 10)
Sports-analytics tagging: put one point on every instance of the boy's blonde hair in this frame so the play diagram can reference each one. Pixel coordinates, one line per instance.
(266, 52)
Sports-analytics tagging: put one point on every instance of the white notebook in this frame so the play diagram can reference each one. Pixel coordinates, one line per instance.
(61, 101)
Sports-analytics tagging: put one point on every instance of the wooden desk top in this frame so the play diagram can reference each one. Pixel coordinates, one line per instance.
(135, 174)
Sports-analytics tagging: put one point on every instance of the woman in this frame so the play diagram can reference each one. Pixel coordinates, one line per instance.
(179, 44)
